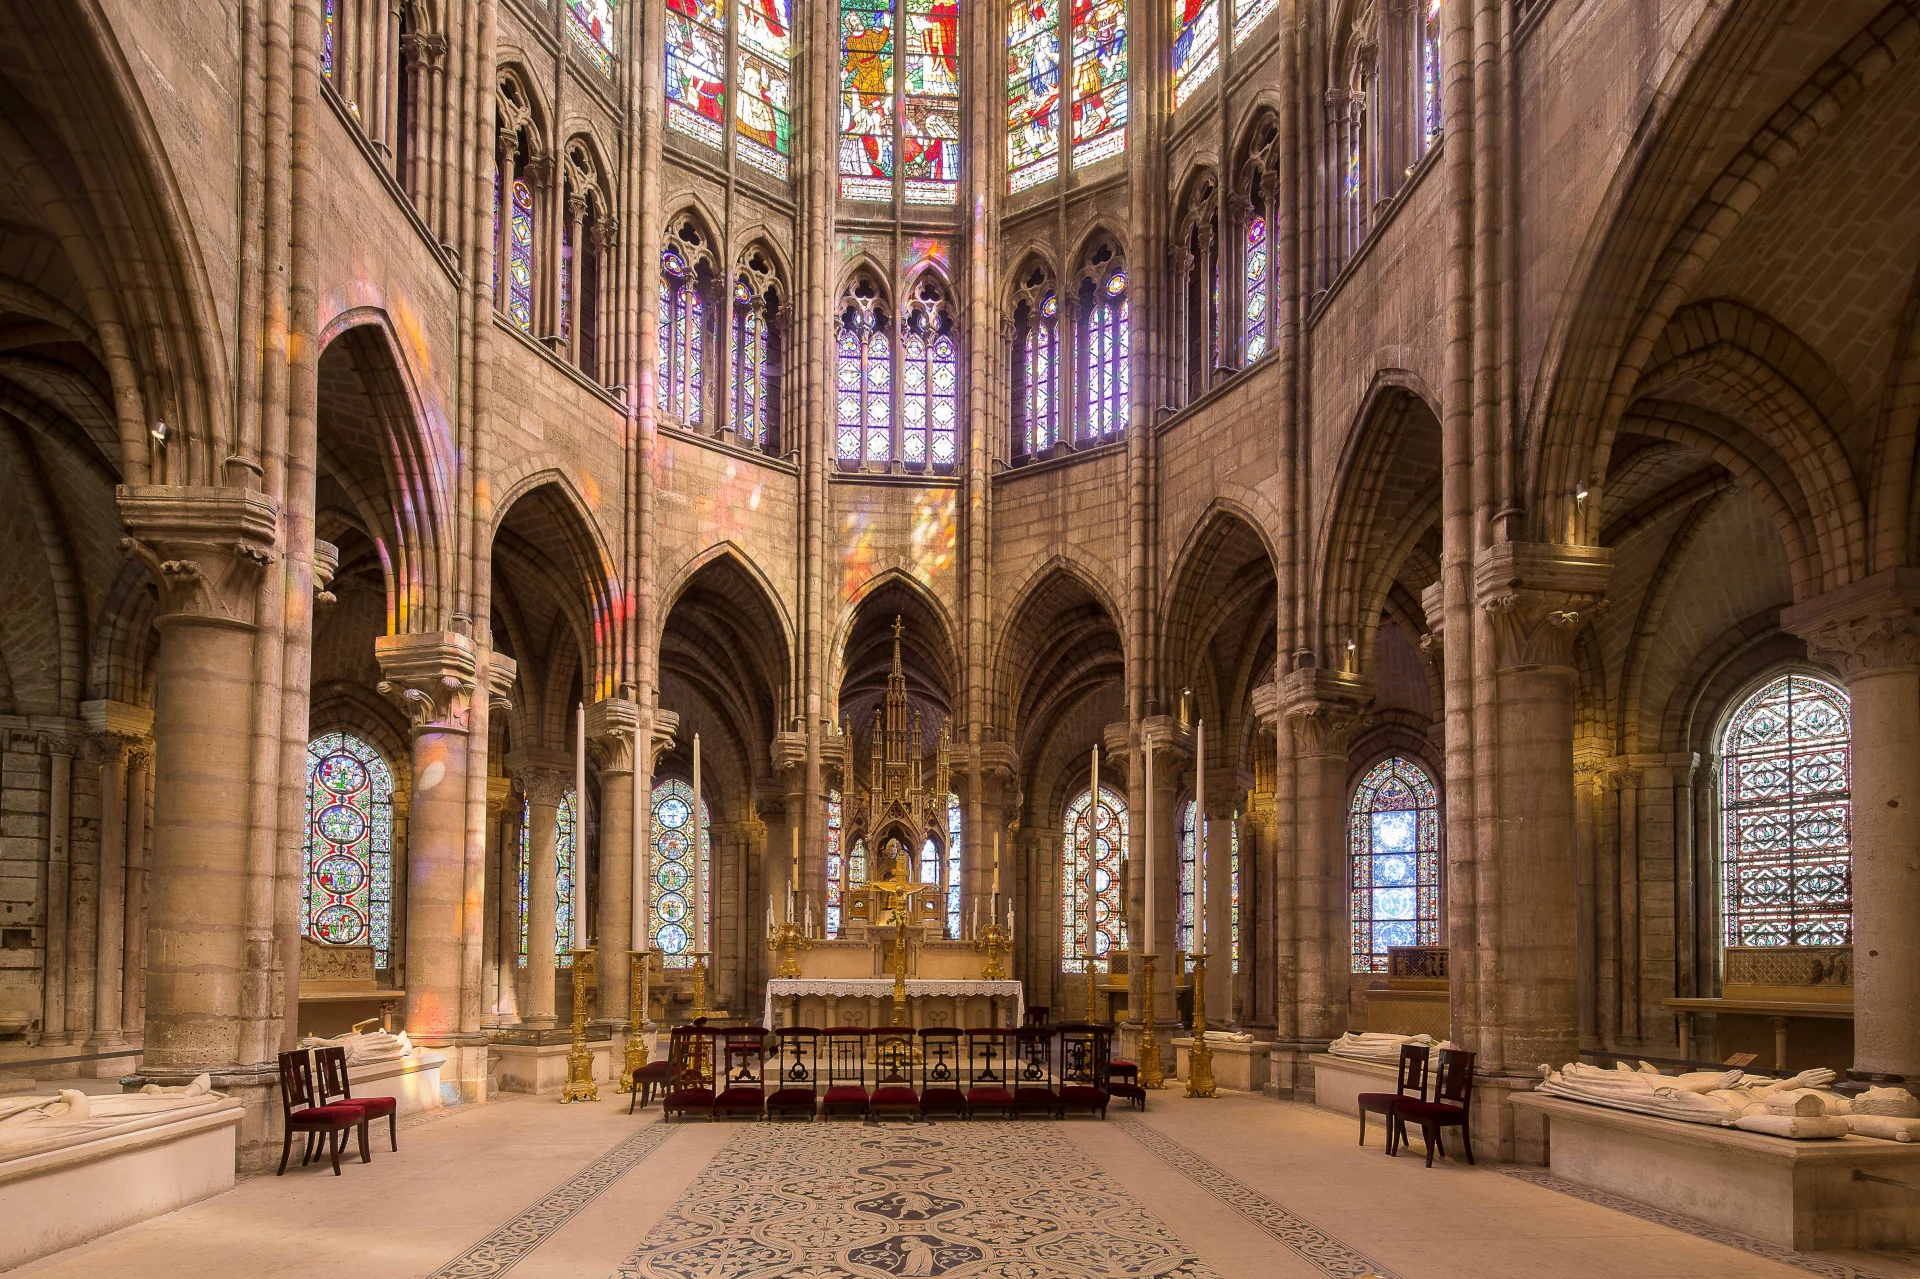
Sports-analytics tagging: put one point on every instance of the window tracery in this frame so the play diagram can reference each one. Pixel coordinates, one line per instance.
(1095, 842)
(759, 320)
(348, 883)
(1255, 209)
(681, 873)
(930, 379)
(1197, 277)
(586, 236)
(864, 345)
(1036, 364)
(686, 323)
(1103, 376)
(1394, 842)
(522, 167)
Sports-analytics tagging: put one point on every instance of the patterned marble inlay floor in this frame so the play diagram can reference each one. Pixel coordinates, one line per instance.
(850, 1201)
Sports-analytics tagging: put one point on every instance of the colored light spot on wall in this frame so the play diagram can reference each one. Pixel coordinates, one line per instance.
(857, 561)
(590, 490)
(934, 534)
(431, 776)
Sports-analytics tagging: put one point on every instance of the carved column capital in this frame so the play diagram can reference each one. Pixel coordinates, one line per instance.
(1325, 708)
(326, 563)
(499, 795)
(789, 754)
(1865, 628)
(544, 776)
(205, 547)
(666, 726)
(611, 723)
(431, 677)
(1539, 596)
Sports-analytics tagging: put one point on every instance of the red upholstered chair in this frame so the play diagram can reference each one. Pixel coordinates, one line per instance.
(1451, 1106)
(1410, 1084)
(846, 1072)
(694, 1052)
(1085, 1050)
(941, 1064)
(893, 1090)
(653, 1077)
(335, 1086)
(743, 1077)
(796, 1073)
(302, 1111)
(989, 1069)
(1034, 1089)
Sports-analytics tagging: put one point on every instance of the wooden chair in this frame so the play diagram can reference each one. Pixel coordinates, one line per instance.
(1036, 1015)
(693, 1054)
(1085, 1052)
(796, 1091)
(989, 1067)
(1033, 1081)
(655, 1076)
(893, 1090)
(1451, 1107)
(301, 1111)
(846, 1072)
(742, 1086)
(940, 1069)
(1410, 1084)
(334, 1084)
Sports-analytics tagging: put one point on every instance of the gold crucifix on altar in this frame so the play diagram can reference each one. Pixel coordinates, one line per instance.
(898, 894)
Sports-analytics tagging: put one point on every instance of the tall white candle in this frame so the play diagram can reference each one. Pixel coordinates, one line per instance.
(642, 824)
(580, 827)
(699, 857)
(1200, 835)
(996, 864)
(1146, 846)
(1093, 856)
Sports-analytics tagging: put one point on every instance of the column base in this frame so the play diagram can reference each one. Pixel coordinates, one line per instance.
(463, 1077)
(1503, 1132)
(1290, 1070)
(109, 1067)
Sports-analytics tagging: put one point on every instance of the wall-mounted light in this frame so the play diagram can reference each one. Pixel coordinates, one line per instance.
(1580, 491)
(159, 433)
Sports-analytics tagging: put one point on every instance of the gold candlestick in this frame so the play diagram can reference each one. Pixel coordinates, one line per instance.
(1152, 1073)
(786, 939)
(1200, 1057)
(700, 983)
(1092, 987)
(580, 1085)
(990, 941)
(637, 1013)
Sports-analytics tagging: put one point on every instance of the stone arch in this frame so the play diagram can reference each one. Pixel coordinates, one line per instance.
(1217, 622)
(545, 533)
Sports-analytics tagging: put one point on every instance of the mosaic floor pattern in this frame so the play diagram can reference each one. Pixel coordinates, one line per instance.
(849, 1201)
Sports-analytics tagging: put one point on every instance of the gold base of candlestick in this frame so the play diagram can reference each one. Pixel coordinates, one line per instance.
(637, 1014)
(786, 939)
(580, 1084)
(991, 940)
(1200, 1056)
(1093, 989)
(700, 984)
(1152, 1073)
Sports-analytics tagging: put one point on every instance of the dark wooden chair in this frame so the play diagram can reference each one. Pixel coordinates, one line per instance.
(1033, 1080)
(1410, 1083)
(335, 1086)
(742, 1085)
(1451, 1107)
(693, 1053)
(846, 1072)
(893, 1090)
(796, 1073)
(1086, 1050)
(1036, 1015)
(655, 1076)
(941, 1092)
(302, 1111)
(989, 1070)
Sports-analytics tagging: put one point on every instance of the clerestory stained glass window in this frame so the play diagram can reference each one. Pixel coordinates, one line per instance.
(836, 866)
(1430, 74)
(566, 863)
(1196, 46)
(328, 19)
(1249, 14)
(1099, 80)
(1255, 281)
(866, 99)
(520, 255)
(1036, 368)
(930, 103)
(696, 69)
(679, 872)
(347, 897)
(1394, 839)
(1096, 845)
(1033, 92)
(590, 22)
(763, 110)
(682, 336)
(756, 364)
(1787, 809)
(1105, 377)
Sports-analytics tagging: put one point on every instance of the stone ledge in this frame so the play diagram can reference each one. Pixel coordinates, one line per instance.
(1339, 1081)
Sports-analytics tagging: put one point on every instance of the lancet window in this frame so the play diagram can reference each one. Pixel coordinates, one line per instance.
(1255, 206)
(1249, 14)
(566, 862)
(686, 324)
(522, 165)
(590, 24)
(1036, 364)
(1095, 846)
(1196, 46)
(697, 69)
(526, 866)
(1096, 70)
(1787, 815)
(1193, 876)
(348, 884)
(1394, 841)
(929, 379)
(1103, 378)
(759, 316)
(864, 434)
(900, 100)
(953, 866)
(370, 54)
(585, 236)
(836, 866)
(758, 48)
(679, 884)
(1429, 74)
(1197, 265)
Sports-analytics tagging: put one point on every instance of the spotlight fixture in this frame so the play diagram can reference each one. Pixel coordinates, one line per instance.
(159, 433)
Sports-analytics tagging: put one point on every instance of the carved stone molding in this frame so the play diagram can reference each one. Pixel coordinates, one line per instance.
(118, 720)
(205, 547)
(611, 723)
(499, 795)
(502, 672)
(542, 775)
(1539, 596)
(1868, 627)
(1324, 708)
(789, 754)
(431, 677)
(666, 727)
(1434, 604)
(1263, 814)
(1265, 700)
(326, 562)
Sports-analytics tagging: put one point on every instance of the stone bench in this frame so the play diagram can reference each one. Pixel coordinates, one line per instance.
(1799, 1194)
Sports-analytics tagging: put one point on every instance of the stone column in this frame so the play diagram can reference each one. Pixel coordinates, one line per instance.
(206, 549)
(790, 778)
(1222, 803)
(54, 975)
(1323, 709)
(1868, 631)
(610, 727)
(1537, 597)
(507, 912)
(495, 957)
(544, 776)
(117, 728)
(1172, 751)
(133, 980)
(431, 677)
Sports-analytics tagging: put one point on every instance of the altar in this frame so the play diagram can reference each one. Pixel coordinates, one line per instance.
(868, 1001)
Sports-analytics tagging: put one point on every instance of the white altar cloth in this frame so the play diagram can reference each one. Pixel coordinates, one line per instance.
(782, 988)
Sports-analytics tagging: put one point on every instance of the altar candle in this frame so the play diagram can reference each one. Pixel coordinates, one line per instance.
(1147, 844)
(1200, 835)
(579, 827)
(976, 917)
(699, 858)
(809, 931)
(642, 815)
(793, 865)
(770, 912)
(996, 863)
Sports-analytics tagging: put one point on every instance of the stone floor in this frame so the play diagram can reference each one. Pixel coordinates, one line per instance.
(1237, 1188)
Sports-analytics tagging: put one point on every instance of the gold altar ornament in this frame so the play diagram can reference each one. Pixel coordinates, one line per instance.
(637, 1014)
(990, 941)
(580, 1085)
(1200, 1056)
(699, 984)
(785, 939)
(1152, 1073)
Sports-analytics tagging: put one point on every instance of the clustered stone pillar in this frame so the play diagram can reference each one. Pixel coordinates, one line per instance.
(120, 731)
(1870, 631)
(610, 727)
(502, 893)
(544, 777)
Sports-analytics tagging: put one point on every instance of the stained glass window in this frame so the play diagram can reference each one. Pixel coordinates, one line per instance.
(1036, 373)
(836, 866)
(1196, 46)
(347, 897)
(696, 69)
(1350, 181)
(763, 120)
(1096, 843)
(526, 864)
(1249, 14)
(1430, 73)
(929, 872)
(1394, 840)
(682, 335)
(677, 870)
(1787, 804)
(1033, 92)
(1104, 374)
(865, 381)
(930, 104)
(1193, 870)
(866, 99)
(520, 256)
(328, 18)
(566, 866)
(1256, 282)
(756, 364)
(953, 866)
(590, 22)
(930, 380)
(1099, 80)
(857, 863)
(1233, 879)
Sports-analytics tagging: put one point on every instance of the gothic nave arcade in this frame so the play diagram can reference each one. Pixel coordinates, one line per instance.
(1491, 421)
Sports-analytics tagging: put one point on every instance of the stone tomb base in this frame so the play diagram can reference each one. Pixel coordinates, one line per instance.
(412, 1081)
(1799, 1194)
(540, 1067)
(55, 1198)
(1339, 1081)
(1237, 1067)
